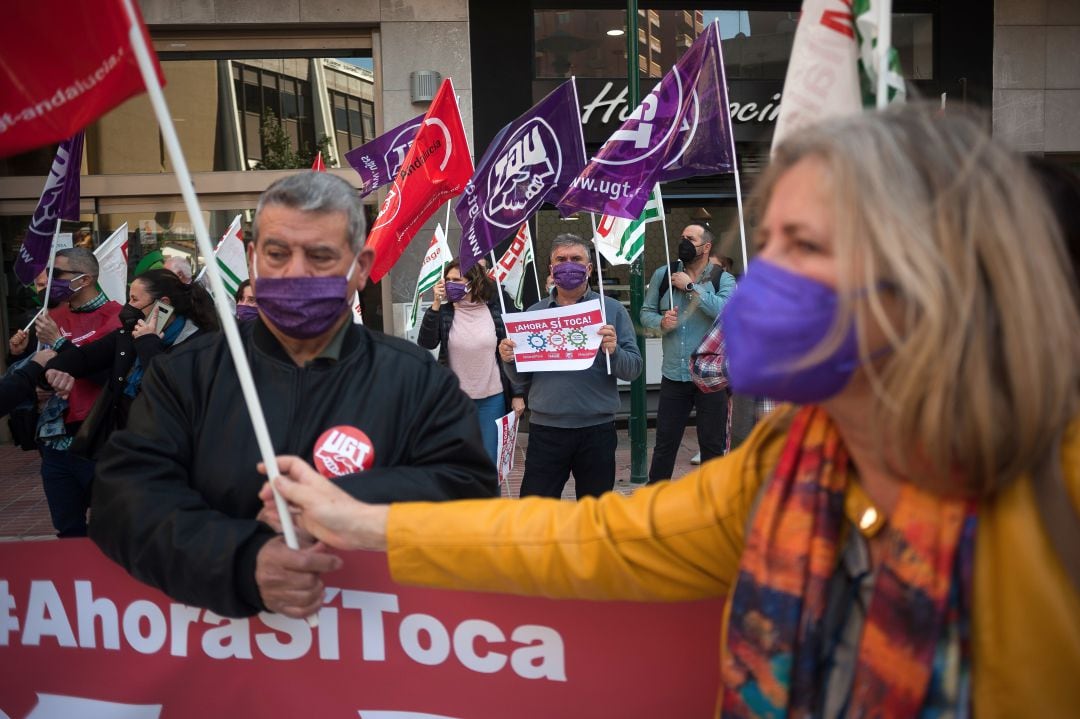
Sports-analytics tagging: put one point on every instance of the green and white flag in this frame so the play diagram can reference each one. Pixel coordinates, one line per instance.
(622, 241)
(510, 270)
(231, 258)
(836, 40)
(868, 33)
(436, 257)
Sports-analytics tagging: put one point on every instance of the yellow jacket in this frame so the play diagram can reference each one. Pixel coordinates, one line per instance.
(682, 540)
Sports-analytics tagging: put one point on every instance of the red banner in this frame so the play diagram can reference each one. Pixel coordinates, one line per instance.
(62, 65)
(79, 638)
(435, 170)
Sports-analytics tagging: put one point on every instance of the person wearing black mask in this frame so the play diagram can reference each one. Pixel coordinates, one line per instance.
(176, 502)
(684, 315)
(127, 352)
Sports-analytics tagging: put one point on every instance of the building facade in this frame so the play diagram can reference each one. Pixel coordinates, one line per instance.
(256, 87)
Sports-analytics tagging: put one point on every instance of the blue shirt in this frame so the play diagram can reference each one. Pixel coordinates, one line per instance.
(697, 312)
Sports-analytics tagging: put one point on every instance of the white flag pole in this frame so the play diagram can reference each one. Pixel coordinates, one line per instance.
(600, 284)
(884, 42)
(202, 236)
(734, 159)
(536, 270)
(498, 284)
(48, 278)
(667, 263)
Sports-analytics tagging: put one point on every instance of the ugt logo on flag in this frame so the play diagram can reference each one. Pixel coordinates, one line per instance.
(533, 158)
(681, 129)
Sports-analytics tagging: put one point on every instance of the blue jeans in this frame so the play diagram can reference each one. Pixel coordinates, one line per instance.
(66, 479)
(490, 409)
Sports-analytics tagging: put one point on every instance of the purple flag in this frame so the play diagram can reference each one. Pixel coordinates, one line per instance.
(533, 159)
(681, 129)
(378, 161)
(59, 199)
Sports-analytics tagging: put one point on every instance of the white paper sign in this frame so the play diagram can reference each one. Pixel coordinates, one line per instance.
(508, 430)
(559, 339)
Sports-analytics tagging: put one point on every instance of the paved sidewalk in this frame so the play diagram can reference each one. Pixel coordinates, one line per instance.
(25, 515)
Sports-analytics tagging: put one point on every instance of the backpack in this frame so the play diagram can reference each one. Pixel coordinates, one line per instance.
(717, 273)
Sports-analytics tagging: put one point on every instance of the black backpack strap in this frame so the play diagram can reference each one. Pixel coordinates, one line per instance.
(665, 282)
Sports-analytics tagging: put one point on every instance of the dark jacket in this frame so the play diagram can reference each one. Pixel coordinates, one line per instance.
(18, 385)
(176, 493)
(435, 332)
(115, 352)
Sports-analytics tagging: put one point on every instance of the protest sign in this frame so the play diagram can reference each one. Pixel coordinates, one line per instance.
(80, 638)
(507, 435)
(559, 339)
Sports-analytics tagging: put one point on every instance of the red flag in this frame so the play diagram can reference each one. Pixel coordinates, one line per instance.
(436, 169)
(49, 92)
(318, 165)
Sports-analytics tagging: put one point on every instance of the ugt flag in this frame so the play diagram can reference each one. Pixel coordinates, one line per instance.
(112, 257)
(438, 255)
(231, 258)
(435, 169)
(378, 161)
(681, 129)
(534, 158)
(509, 271)
(49, 90)
(825, 47)
(59, 200)
(622, 241)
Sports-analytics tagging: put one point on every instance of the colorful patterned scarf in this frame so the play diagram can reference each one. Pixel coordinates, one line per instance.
(913, 658)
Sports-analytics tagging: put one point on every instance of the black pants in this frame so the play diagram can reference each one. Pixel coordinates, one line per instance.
(676, 401)
(554, 452)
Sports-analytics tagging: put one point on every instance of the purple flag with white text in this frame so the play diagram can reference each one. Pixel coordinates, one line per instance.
(532, 160)
(378, 161)
(681, 129)
(59, 200)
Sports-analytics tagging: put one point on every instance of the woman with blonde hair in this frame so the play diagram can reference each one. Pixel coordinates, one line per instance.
(895, 541)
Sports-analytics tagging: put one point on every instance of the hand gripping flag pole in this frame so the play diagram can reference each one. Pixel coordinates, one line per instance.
(202, 236)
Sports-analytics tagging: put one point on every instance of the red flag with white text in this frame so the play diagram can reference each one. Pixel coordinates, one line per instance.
(63, 65)
(436, 169)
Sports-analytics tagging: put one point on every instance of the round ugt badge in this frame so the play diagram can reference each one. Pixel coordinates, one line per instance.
(343, 450)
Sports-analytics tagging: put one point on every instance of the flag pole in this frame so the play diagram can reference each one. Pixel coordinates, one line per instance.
(48, 278)
(536, 270)
(734, 158)
(884, 43)
(498, 285)
(600, 284)
(202, 236)
(667, 263)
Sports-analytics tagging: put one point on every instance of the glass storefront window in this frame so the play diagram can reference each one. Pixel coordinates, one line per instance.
(756, 44)
(232, 114)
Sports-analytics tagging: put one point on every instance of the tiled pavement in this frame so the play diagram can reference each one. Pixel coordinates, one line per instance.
(24, 514)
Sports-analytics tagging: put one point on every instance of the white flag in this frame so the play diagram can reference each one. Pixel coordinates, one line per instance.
(231, 258)
(438, 254)
(510, 270)
(112, 257)
(357, 314)
(622, 241)
(826, 47)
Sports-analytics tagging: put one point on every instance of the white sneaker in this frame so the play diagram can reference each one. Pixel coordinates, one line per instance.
(696, 459)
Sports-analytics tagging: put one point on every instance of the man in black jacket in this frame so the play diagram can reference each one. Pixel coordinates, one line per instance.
(176, 499)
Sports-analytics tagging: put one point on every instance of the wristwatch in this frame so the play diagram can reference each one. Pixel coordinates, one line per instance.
(689, 286)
